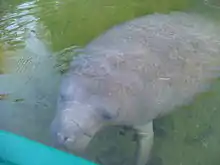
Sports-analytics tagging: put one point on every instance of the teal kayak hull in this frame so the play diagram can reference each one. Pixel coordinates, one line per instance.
(18, 150)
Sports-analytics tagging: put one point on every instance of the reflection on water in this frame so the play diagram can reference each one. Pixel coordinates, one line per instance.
(29, 88)
(212, 3)
(14, 25)
(30, 33)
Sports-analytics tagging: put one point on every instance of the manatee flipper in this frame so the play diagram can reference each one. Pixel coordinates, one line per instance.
(146, 140)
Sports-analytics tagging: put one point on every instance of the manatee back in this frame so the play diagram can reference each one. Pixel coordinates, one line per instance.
(145, 67)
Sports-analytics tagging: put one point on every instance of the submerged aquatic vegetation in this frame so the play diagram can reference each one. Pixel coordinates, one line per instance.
(65, 56)
(1, 62)
(3, 96)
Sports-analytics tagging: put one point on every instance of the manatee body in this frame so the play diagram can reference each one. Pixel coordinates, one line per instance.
(135, 72)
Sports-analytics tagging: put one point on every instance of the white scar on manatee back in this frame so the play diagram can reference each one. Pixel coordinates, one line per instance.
(142, 69)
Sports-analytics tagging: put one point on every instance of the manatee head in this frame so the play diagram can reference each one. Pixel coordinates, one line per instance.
(77, 120)
(74, 126)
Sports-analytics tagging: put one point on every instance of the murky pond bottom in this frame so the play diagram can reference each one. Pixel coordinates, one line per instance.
(30, 34)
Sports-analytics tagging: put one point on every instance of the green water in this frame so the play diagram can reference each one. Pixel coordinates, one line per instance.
(189, 136)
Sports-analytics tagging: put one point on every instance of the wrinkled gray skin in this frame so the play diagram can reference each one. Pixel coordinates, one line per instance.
(134, 73)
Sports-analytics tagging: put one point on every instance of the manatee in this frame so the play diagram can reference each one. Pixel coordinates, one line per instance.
(134, 73)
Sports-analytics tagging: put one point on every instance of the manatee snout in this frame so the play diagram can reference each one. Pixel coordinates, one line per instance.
(74, 126)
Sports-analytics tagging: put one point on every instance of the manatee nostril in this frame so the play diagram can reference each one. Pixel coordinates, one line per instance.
(62, 138)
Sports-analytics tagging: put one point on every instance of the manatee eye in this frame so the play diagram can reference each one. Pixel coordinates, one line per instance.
(65, 138)
(106, 114)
